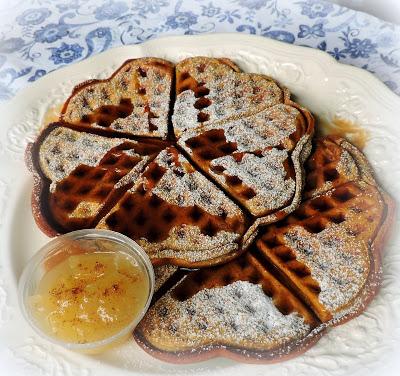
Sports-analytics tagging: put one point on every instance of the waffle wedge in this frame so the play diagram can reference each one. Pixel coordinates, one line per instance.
(177, 215)
(328, 248)
(77, 175)
(322, 249)
(135, 100)
(318, 267)
(237, 310)
(210, 90)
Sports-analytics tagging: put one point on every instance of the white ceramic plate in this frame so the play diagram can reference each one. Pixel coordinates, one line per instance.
(366, 345)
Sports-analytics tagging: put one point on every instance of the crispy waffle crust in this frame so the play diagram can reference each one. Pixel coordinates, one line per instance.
(233, 310)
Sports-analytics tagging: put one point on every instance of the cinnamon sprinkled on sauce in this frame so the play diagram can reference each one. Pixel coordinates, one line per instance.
(90, 296)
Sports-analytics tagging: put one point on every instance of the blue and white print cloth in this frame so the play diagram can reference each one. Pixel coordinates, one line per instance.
(39, 36)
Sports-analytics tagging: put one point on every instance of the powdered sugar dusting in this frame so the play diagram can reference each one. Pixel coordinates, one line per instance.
(181, 185)
(270, 127)
(264, 129)
(347, 166)
(185, 114)
(231, 95)
(186, 187)
(152, 89)
(86, 209)
(65, 149)
(338, 262)
(238, 314)
(265, 175)
(158, 89)
(298, 157)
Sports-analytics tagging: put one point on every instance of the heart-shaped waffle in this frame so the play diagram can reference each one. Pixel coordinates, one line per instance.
(322, 260)
(323, 249)
(328, 248)
(238, 310)
(210, 90)
(135, 100)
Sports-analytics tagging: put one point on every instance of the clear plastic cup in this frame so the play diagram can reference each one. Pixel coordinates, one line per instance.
(55, 251)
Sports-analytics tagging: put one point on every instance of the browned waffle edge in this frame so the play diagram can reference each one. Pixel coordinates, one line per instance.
(180, 262)
(298, 156)
(203, 353)
(40, 184)
(374, 280)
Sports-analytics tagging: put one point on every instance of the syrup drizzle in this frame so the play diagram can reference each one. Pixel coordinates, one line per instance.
(347, 129)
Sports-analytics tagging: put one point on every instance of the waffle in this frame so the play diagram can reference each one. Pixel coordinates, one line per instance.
(135, 100)
(238, 310)
(244, 132)
(78, 174)
(177, 215)
(138, 96)
(327, 248)
(322, 248)
(256, 159)
(281, 252)
(317, 267)
(210, 90)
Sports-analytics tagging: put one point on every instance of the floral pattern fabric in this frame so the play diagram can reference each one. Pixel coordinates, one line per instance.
(39, 36)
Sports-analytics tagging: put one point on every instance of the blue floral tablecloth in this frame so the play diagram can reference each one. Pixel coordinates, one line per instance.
(39, 36)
